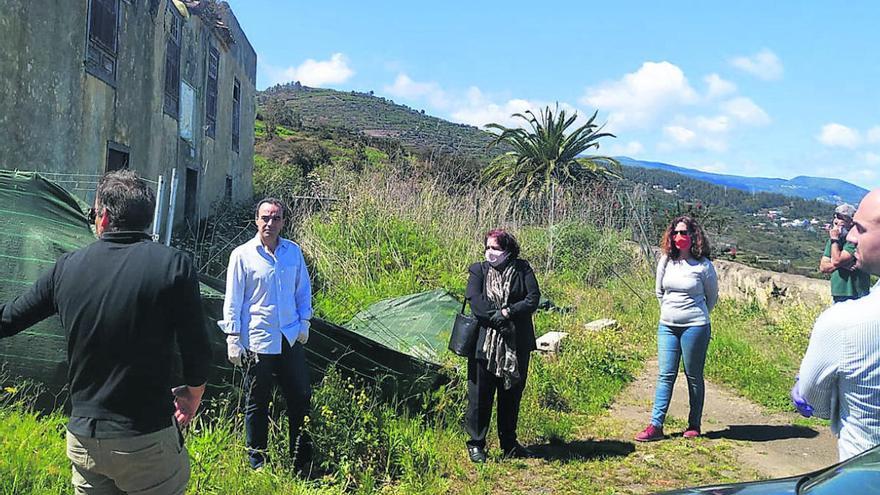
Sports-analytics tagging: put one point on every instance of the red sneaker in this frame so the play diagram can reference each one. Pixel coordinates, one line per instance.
(650, 434)
(691, 432)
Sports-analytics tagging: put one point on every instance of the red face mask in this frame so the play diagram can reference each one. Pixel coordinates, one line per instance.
(683, 243)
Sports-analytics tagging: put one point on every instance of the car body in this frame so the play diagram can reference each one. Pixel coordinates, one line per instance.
(859, 475)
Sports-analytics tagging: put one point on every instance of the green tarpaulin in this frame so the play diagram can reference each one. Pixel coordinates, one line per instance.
(39, 221)
(416, 324)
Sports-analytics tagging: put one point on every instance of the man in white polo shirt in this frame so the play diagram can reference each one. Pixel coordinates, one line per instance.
(840, 373)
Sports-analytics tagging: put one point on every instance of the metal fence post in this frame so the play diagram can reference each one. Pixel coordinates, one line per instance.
(157, 213)
(172, 201)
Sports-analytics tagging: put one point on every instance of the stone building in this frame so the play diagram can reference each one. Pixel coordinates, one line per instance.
(88, 86)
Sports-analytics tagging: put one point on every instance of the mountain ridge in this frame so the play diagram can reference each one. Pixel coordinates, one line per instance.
(377, 116)
(803, 186)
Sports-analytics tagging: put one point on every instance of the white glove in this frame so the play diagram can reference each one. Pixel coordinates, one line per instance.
(303, 336)
(234, 350)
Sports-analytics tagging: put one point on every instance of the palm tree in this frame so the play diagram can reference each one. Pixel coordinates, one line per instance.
(546, 156)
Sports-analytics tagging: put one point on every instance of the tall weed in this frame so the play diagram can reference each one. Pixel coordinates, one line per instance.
(32, 446)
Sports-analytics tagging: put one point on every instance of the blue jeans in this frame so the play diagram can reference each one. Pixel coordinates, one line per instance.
(674, 343)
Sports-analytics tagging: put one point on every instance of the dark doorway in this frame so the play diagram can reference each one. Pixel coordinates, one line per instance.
(117, 156)
(191, 200)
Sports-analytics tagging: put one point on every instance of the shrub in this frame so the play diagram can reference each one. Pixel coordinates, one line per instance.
(346, 430)
(581, 253)
(274, 179)
(366, 443)
(363, 254)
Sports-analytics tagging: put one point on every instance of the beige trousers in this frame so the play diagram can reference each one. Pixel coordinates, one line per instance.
(153, 464)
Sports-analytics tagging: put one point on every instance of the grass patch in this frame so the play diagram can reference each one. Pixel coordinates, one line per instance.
(392, 237)
(758, 353)
(33, 456)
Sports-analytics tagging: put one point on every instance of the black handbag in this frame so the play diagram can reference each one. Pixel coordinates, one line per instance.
(465, 330)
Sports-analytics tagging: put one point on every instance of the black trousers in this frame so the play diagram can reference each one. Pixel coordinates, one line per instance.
(482, 388)
(292, 373)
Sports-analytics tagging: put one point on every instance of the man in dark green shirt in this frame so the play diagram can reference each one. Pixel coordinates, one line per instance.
(847, 282)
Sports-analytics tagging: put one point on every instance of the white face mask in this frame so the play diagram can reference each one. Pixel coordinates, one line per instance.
(496, 257)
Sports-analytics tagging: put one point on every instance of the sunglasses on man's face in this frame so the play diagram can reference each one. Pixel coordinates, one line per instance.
(267, 218)
(680, 232)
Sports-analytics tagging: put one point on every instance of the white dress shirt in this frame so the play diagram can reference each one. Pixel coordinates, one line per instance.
(267, 295)
(840, 373)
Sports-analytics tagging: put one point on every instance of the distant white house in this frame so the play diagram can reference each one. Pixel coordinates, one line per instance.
(658, 187)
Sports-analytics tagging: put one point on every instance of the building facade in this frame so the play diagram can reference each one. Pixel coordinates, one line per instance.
(88, 86)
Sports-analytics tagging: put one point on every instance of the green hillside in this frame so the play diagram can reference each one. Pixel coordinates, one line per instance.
(317, 128)
(758, 226)
(378, 117)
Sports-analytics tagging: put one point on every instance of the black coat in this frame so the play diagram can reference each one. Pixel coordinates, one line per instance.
(522, 302)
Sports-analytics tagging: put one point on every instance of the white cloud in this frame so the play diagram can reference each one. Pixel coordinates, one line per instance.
(711, 133)
(473, 106)
(681, 137)
(871, 158)
(746, 111)
(477, 109)
(631, 149)
(679, 134)
(717, 87)
(404, 87)
(698, 133)
(720, 123)
(764, 65)
(638, 98)
(839, 136)
(866, 177)
(873, 134)
(314, 73)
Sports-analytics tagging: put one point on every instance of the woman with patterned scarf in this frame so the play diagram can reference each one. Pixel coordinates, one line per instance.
(503, 295)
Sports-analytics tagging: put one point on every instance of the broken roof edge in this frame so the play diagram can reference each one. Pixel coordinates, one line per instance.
(232, 23)
(218, 15)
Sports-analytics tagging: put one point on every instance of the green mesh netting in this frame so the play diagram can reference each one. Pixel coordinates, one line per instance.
(39, 221)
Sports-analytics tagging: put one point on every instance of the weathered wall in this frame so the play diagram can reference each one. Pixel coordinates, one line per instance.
(41, 82)
(770, 288)
(56, 117)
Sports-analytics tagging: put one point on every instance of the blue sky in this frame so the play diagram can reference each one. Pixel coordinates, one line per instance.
(772, 89)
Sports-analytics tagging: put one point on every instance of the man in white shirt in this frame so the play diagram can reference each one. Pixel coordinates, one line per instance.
(266, 316)
(840, 373)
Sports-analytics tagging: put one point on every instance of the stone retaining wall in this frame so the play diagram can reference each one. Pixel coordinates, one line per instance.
(769, 288)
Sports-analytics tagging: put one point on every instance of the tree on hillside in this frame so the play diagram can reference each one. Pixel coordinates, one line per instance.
(276, 112)
(546, 156)
(271, 111)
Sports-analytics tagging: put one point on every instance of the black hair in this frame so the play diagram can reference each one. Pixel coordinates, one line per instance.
(271, 201)
(128, 198)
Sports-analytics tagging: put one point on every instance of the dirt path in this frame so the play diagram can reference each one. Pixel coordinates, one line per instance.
(770, 443)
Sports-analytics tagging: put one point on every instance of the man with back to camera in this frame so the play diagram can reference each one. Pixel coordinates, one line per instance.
(840, 372)
(847, 281)
(266, 313)
(123, 301)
